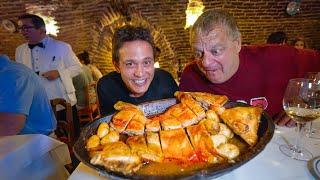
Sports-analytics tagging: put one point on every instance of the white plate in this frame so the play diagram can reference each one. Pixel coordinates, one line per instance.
(314, 167)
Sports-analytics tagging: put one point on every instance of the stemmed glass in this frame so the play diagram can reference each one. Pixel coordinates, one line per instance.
(309, 130)
(298, 101)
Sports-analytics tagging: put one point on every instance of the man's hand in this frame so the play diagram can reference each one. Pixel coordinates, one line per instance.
(282, 119)
(51, 75)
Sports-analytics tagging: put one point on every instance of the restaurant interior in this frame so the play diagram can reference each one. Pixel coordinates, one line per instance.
(89, 26)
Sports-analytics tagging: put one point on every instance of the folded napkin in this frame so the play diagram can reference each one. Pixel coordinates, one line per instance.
(23, 154)
(68, 85)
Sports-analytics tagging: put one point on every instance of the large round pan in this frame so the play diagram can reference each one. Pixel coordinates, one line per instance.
(265, 133)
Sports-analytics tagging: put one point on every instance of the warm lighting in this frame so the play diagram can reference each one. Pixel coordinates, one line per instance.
(194, 10)
(51, 27)
(157, 65)
(44, 11)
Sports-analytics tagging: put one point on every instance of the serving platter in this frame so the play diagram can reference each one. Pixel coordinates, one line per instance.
(265, 133)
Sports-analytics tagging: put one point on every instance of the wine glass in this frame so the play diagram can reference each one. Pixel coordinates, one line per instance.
(300, 93)
(309, 130)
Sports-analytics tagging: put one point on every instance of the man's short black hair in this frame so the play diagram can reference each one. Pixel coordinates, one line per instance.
(129, 33)
(277, 38)
(84, 57)
(37, 21)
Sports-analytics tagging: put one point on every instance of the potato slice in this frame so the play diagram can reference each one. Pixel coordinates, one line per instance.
(226, 131)
(212, 126)
(93, 142)
(218, 140)
(103, 129)
(211, 115)
(228, 150)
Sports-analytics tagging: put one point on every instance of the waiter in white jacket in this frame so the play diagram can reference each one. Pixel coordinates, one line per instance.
(53, 60)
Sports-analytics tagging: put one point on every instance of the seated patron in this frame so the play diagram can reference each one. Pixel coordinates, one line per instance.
(84, 57)
(135, 79)
(24, 106)
(277, 38)
(299, 43)
(80, 83)
(250, 74)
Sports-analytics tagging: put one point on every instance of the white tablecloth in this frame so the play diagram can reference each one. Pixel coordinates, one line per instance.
(33, 157)
(269, 164)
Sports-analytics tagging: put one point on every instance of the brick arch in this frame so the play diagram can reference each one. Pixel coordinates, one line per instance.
(102, 34)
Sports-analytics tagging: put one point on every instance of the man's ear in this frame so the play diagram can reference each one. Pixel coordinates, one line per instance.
(43, 30)
(238, 41)
(116, 66)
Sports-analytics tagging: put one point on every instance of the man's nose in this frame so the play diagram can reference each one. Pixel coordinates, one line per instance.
(206, 59)
(139, 71)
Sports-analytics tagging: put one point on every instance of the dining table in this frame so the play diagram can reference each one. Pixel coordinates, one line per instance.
(32, 157)
(271, 163)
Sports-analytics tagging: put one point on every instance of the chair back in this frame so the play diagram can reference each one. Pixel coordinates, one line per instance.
(92, 109)
(65, 125)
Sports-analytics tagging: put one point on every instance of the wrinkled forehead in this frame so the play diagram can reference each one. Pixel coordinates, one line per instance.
(209, 36)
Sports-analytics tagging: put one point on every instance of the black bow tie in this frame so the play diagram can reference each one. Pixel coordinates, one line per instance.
(31, 46)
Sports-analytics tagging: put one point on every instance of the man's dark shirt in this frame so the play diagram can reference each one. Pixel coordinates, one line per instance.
(112, 89)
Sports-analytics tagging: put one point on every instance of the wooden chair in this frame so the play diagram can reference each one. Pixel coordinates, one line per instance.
(92, 109)
(66, 125)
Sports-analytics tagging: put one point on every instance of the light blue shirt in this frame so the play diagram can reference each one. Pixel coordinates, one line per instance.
(21, 92)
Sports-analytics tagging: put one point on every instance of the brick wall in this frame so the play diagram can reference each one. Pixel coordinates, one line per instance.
(89, 25)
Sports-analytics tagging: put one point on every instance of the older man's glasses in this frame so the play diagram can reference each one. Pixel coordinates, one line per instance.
(26, 28)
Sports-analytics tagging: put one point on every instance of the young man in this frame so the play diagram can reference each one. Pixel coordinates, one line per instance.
(135, 79)
(54, 62)
(24, 106)
(250, 74)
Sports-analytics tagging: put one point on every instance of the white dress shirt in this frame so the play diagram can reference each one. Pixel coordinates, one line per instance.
(56, 55)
